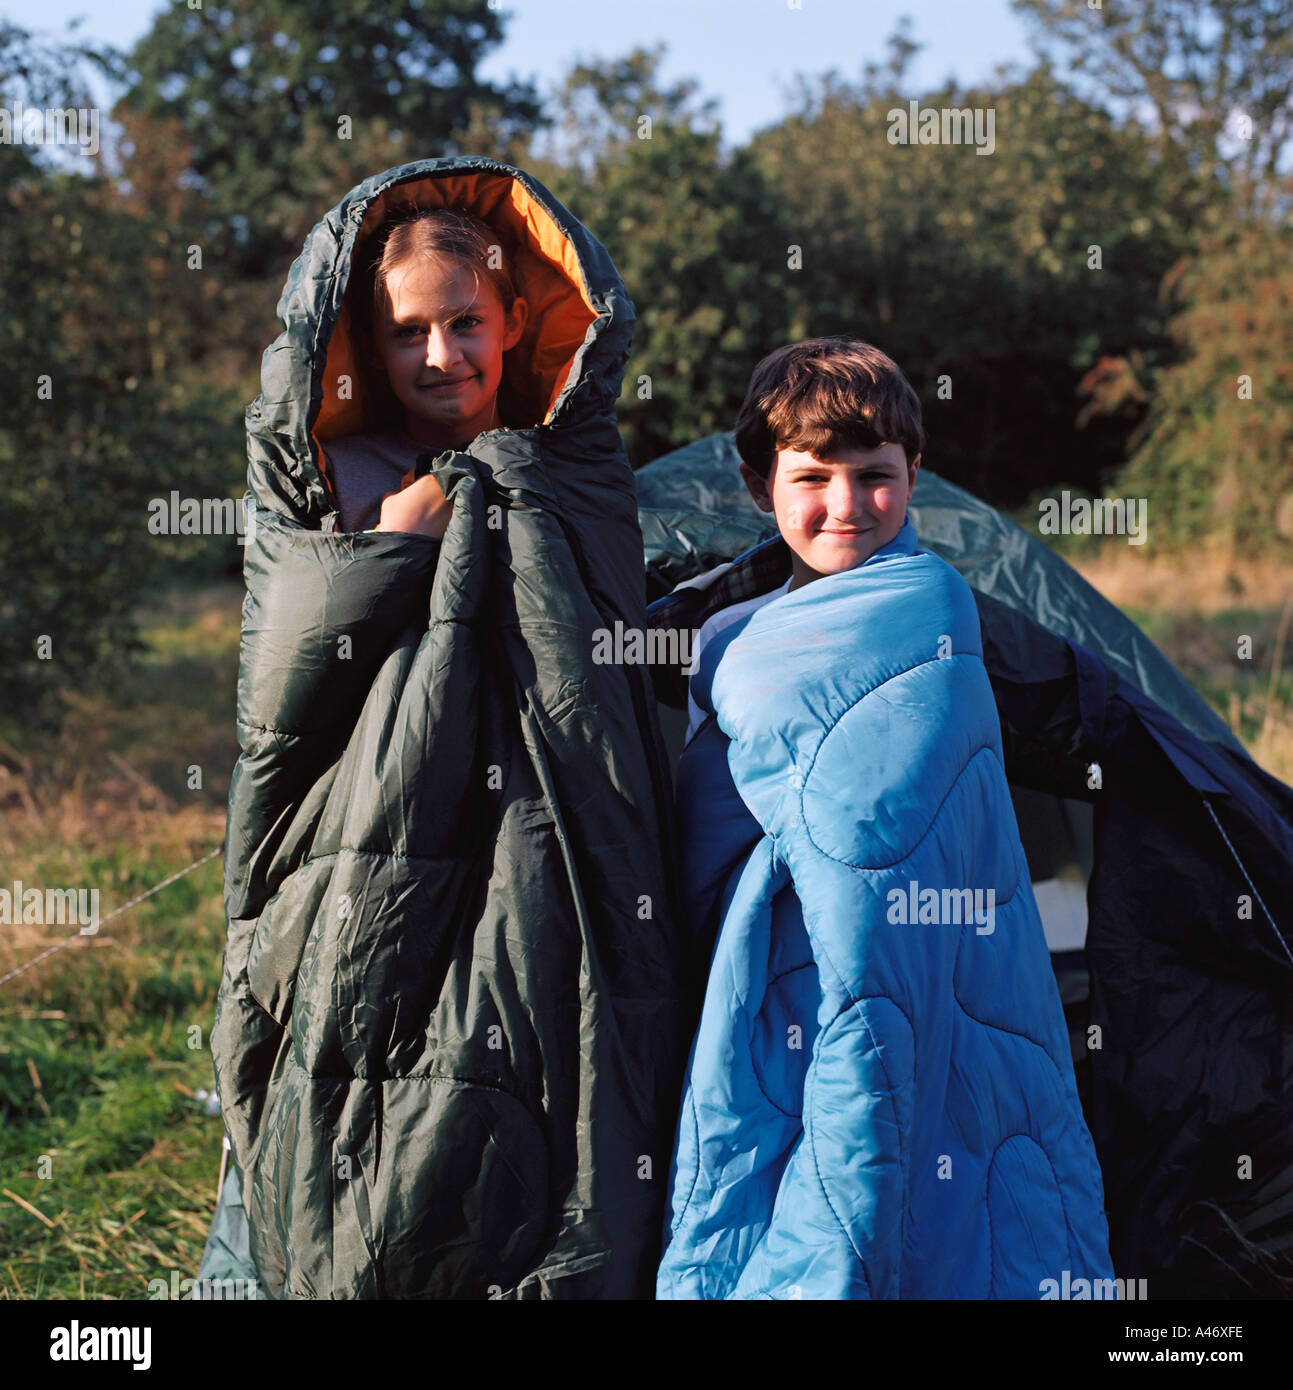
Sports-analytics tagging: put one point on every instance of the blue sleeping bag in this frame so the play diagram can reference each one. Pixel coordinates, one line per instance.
(880, 1099)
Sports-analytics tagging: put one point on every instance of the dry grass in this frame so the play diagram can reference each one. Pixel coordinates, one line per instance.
(120, 769)
(109, 1164)
(1208, 583)
(1197, 610)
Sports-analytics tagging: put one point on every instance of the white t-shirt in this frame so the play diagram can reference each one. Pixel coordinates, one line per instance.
(710, 628)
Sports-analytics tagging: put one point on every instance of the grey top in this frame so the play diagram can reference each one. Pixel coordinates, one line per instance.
(366, 467)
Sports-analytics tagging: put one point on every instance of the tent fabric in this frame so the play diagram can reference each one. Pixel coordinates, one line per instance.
(227, 1268)
(880, 1102)
(1177, 1004)
(447, 1040)
(992, 554)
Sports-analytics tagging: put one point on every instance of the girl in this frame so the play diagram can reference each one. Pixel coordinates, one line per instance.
(435, 326)
(447, 1040)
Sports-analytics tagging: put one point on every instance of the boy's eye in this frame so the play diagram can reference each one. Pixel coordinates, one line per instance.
(409, 330)
(467, 321)
(821, 477)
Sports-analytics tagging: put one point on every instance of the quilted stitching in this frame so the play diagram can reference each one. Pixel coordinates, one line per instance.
(766, 705)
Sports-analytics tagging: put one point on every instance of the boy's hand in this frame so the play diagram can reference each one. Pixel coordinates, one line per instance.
(421, 508)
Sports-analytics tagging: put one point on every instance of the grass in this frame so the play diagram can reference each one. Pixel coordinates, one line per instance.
(108, 1162)
(104, 1045)
(1198, 613)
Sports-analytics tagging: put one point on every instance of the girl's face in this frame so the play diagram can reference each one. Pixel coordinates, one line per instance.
(440, 336)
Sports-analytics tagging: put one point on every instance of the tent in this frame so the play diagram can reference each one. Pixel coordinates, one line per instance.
(1160, 855)
(1162, 860)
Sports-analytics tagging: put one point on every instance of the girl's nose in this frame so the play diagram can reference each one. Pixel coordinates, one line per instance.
(442, 348)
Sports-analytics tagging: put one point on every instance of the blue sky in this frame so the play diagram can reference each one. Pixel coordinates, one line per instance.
(745, 52)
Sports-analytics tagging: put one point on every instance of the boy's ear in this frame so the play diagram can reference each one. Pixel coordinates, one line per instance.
(757, 488)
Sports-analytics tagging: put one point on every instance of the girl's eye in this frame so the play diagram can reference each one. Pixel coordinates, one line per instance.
(409, 331)
(468, 321)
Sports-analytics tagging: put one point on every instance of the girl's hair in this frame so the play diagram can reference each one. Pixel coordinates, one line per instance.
(420, 235)
(427, 235)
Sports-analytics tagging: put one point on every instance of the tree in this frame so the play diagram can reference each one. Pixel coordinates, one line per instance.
(1217, 76)
(286, 104)
(91, 424)
(1215, 457)
(692, 231)
(977, 273)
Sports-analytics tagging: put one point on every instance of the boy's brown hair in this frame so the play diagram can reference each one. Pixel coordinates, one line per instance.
(826, 394)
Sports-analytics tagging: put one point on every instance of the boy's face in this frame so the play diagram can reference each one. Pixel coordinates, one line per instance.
(836, 512)
(440, 337)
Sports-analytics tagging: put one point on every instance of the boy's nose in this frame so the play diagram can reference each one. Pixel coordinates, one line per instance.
(845, 501)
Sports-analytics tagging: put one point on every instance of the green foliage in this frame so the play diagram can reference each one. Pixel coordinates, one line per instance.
(109, 404)
(966, 268)
(695, 235)
(88, 433)
(286, 104)
(1216, 454)
(1217, 76)
(973, 271)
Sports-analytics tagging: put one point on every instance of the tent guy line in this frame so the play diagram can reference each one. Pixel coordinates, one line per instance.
(116, 912)
(1279, 935)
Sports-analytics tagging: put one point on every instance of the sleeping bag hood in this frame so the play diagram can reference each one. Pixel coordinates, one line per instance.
(447, 1039)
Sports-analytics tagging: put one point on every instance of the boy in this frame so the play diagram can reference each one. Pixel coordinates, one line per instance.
(880, 1101)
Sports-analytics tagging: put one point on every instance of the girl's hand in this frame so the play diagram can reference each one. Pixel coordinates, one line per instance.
(421, 508)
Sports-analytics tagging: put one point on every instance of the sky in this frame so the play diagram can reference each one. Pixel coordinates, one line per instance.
(744, 52)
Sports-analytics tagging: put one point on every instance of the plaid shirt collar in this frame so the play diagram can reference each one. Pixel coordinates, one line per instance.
(755, 571)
